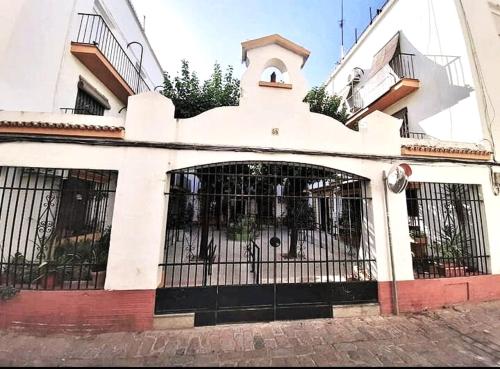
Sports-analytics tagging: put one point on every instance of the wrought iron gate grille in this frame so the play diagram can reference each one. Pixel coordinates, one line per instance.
(222, 219)
(55, 227)
(447, 231)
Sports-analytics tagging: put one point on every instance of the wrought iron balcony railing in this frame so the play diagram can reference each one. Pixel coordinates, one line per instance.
(93, 30)
(78, 111)
(355, 102)
(416, 135)
(403, 67)
(402, 64)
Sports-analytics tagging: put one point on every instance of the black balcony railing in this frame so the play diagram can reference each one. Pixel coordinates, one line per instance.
(355, 102)
(404, 133)
(417, 135)
(94, 31)
(78, 111)
(402, 65)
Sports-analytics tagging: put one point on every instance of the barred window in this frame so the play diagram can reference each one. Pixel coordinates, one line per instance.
(55, 227)
(86, 104)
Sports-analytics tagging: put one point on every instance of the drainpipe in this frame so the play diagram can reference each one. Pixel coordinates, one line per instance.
(395, 303)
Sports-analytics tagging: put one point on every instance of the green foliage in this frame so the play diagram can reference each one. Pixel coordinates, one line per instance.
(69, 260)
(323, 103)
(84, 252)
(191, 98)
(242, 230)
(20, 270)
(453, 244)
(7, 292)
(101, 251)
(417, 233)
(299, 214)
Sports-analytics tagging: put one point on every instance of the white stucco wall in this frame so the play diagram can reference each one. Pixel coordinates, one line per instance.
(139, 215)
(445, 105)
(33, 46)
(37, 71)
(483, 41)
(140, 204)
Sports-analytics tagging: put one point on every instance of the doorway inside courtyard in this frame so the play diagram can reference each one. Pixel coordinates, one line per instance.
(261, 241)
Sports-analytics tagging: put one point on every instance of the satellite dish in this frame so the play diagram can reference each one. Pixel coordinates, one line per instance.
(397, 177)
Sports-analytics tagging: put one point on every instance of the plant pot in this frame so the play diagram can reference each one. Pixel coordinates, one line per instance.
(98, 278)
(419, 249)
(451, 270)
(48, 280)
(413, 185)
(420, 240)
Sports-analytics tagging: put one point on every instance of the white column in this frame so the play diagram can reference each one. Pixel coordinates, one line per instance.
(398, 217)
(491, 205)
(138, 222)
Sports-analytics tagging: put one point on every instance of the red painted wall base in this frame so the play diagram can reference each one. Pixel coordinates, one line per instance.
(113, 311)
(428, 294)
(79, 311)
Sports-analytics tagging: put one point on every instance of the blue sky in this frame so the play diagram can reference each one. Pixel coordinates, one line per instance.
(205, 31)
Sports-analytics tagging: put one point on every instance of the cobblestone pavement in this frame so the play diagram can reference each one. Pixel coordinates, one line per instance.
(465, 335)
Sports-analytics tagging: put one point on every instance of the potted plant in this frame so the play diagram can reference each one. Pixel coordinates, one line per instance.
(47, 274)
(18, 272)
(99, 259)
(418, 244)
(73, 258)
(242, 230)
(7, 292)
(14, 272)
(450, 268)
(452, 250)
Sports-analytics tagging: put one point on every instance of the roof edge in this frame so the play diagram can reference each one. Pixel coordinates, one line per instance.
(338, 65)
(274, 39)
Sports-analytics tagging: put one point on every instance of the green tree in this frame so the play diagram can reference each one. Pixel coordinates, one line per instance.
(220, 89)
(184, 91)
(191, 98)
(321, 102)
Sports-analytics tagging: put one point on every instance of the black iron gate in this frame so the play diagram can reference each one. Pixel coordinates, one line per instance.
(261, 241)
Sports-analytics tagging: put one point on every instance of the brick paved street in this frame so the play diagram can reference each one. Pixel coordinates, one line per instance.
(466, 335)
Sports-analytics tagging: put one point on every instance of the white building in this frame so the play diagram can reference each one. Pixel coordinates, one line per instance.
(195, 239)
(426, 63)
(75, 56)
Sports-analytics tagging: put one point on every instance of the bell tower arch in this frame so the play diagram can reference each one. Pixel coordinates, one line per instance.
(274, 76)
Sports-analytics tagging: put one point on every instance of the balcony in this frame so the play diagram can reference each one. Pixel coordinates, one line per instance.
(82, 111)
(384, 88)
(98, 49)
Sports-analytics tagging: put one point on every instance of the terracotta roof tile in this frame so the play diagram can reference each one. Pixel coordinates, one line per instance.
(447, 149)
(35, 124)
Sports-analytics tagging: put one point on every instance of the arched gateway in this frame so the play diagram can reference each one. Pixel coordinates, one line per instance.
(256, 239)
(261, 240)
(254, 212)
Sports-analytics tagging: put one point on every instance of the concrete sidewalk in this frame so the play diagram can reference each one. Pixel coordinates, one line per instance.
(465, 335)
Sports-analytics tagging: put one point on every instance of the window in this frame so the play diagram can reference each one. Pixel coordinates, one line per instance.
(403, 114)
(75, 207)
(86, 104)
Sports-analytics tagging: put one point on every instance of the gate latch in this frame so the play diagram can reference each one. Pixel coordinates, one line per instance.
(275, 242)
